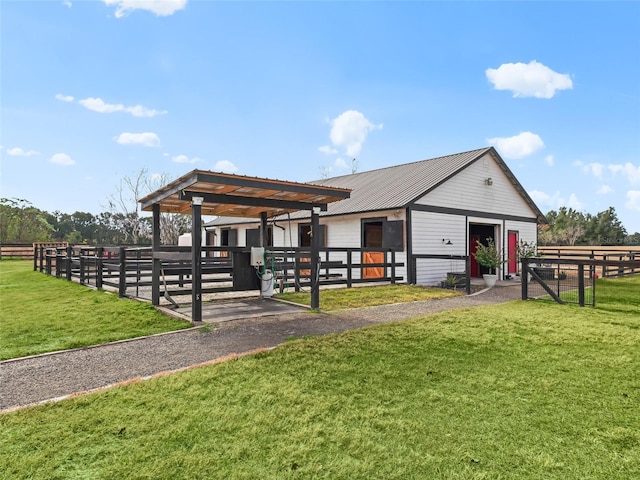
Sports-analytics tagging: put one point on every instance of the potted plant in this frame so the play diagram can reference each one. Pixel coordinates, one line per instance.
(526, 249)
(488, 256)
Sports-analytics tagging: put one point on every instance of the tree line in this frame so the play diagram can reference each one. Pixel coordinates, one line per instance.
(121, 224)
(570, 227)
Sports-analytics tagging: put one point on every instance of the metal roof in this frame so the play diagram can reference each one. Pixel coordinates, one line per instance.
(240, 196)
(399, 186)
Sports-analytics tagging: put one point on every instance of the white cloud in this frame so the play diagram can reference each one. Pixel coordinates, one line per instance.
(531, 79)
(518, 146)
(633, 200)
(593, 168)
(349, 130)
(541, 198)
(574, 203)
(341, 163)
(100, 106)
(225, 166)
(18, 152)
(147, 139)
(64, 98)
(67, 3)
(631, 171)
(329, 150)
(604, 189)
(555, 200)
(549, 160)
(185, 159)
(161, 8)
(62, 159)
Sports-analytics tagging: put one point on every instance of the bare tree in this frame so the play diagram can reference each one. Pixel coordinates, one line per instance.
(124, 205)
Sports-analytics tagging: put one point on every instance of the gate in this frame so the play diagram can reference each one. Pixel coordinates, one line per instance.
(567, 280)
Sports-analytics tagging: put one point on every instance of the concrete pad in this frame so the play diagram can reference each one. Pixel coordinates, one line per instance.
(240, 309)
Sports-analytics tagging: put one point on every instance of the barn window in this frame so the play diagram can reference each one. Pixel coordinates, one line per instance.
(304, 235)
(383, 233)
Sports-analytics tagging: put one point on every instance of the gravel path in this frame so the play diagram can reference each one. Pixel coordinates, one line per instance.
(42, 378)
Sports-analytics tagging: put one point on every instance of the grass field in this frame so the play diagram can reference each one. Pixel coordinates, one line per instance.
(40, 313)
(335, 299)
(514, 391)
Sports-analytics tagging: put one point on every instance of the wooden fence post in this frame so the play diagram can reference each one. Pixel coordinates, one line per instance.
(581, 284)
(524, 278)
(69, 262)
(393, 266)
(99, 253)
(122, 280)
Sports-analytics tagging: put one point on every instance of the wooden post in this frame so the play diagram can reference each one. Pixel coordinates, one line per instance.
(349, 266)
(99, 253)
(263, 229)
(35, 257)
(393, 266)
(155, 263)
(315, 247)
(524, 278)
(467, 276)
(196, 259)
(122, 279)
(68, 262)
(581, 285)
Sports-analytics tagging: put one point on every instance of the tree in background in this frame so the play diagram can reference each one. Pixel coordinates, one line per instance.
(21, 222)
(124, 207)
(604, 229)
(570, 227)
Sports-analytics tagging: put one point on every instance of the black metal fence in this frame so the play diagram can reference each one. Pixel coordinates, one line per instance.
(569, 279)
(128, 270)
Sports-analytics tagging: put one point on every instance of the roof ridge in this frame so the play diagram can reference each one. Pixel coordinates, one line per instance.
(403, 164)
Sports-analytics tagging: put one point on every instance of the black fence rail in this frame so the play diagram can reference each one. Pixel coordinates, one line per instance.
(569, 280)
(291, 267)
(129, 270)
(607, 256)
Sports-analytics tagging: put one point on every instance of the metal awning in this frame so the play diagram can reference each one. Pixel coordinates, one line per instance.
(240, 196)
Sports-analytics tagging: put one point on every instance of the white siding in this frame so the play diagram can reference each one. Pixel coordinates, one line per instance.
(430, 234)
(430, 229)
(467, 190)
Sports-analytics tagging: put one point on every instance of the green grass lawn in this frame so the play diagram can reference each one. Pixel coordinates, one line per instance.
(335, 299)
(523, 390)
(40, 313)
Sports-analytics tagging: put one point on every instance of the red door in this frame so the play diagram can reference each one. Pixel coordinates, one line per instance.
(513, 257)
(475, 268)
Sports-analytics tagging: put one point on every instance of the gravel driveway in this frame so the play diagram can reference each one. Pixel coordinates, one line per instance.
(42, 378)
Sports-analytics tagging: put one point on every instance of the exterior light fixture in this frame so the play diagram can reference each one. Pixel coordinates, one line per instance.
(197, 200)
(447, 241)
(488, 181)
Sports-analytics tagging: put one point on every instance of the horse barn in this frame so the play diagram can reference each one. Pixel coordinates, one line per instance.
(427, 214)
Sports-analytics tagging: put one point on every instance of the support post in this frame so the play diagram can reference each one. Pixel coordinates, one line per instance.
(122, 277)
(155, 263)
(196, 259)
(264, 238)
(315, 249)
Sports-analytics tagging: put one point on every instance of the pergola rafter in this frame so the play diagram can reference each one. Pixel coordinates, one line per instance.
(210, 193)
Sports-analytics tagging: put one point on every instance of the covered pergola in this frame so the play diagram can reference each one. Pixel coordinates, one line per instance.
(202, 192)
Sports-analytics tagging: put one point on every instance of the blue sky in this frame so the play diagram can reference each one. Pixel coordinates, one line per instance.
(92, 91)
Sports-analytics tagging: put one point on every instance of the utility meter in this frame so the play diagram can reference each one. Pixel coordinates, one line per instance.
(257, 256)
